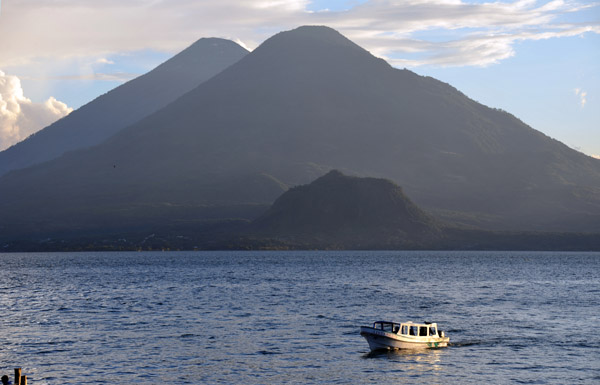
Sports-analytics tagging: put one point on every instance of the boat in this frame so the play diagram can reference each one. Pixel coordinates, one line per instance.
(406, 335)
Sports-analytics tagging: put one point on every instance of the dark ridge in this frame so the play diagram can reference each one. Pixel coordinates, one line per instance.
(354, 212)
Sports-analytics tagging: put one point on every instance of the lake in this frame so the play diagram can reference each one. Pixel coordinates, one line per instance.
(294, 317)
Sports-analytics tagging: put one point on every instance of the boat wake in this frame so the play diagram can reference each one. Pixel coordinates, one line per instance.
(460, 344)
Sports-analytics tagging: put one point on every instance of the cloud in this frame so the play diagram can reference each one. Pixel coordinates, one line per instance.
(19, 116)
(595, 156)
(440, 32)
(120, 77)
(582, 96)
(104, 60)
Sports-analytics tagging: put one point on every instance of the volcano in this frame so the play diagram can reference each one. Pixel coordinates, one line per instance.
(305, 102)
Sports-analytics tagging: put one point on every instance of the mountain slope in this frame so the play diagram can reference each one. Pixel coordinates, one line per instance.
(126, 104)
(305, 102)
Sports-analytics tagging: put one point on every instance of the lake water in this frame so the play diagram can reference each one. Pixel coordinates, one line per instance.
(294, 317)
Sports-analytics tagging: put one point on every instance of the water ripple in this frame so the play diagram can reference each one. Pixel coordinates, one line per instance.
(293, 317)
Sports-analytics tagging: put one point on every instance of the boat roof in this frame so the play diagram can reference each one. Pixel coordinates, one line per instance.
(425, 323)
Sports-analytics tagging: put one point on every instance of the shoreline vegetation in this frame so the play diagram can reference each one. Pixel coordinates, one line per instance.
(470, 240)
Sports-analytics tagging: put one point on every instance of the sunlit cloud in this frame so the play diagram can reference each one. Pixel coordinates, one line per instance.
(109, 77)
(104, 60)
(595, 156)
(582, 96)
(466, 34)
(480, 50)
(19, 116)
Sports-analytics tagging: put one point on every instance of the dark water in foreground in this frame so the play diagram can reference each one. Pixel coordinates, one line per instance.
(273, 317)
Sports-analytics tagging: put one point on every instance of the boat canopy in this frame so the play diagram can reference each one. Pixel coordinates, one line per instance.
(408, 328)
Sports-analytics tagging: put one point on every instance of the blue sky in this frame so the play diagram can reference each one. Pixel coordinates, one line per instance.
(537, 59)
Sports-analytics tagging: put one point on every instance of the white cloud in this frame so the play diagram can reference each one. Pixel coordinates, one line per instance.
(19, 116)
(120, 77)
(104, 60)
(469, 33)
(582, 96)
(595, 156)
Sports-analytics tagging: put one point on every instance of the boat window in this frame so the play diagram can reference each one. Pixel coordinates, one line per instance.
(423, 331)
(414, 331)
(387, 327)
(383, 326)
(432, 331)
(405, 329)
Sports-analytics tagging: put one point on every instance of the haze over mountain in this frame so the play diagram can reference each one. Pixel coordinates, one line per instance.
(305, 102)
(126, 104)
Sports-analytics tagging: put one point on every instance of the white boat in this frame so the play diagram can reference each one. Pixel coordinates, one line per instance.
(406, 335)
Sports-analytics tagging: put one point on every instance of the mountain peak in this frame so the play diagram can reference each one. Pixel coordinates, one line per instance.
(316, 32)
(303, 59)
(211, 55)
(310, 37)
(215, 42)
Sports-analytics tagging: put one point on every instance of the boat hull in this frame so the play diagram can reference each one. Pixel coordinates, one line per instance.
(379, 339)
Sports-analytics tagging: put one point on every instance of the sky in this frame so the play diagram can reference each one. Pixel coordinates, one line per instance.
(537, 59)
